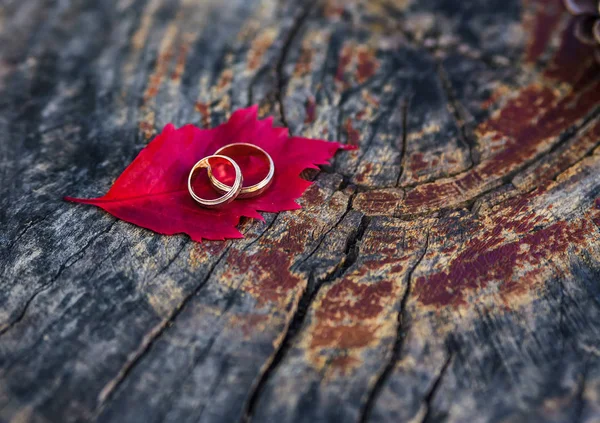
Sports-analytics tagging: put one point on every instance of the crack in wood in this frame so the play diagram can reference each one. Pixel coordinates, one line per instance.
(152, 336)
(348, 94)
(148, 339)
(516, 172)
(593, 151)
(396, 351)
(180, 250)
(56, 321)
(296, 321)
(430, 396)
(41, 71)
(259, 74)
(381, 117)
(324, 236)
(64, 266)
(475, 205)
(457, 111)
(503, 180)
(279, 71)
(403, 156)
(33, 222)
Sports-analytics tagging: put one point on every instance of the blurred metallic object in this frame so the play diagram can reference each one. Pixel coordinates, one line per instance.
(587, 26)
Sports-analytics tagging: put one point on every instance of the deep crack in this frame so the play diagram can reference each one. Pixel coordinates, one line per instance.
(149, 339)
(430, 396)
(299, 316)
(398, 343)
(294, 31)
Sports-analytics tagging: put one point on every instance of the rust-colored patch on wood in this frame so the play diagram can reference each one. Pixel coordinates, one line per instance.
(333, 8)
(267, 275)
(225, 80)
(304, 63)
(343, 62)
(343, 336)
(526, 126)
(541, 25)
(515, 118)
(200, 253)
(366, 65)
(147, 128)
(560, 160)
(312, 196)
(510, 255)
(365, 171)
(574, 62)
(354, 314)
(359, 58)
(352, 133)
(348, 318)
(354, 300)
(433, 196)
(378, 202)
(417, 163)
(342, 365)
(370, 99)
(311, 109)
(250, 324)
(162, 64)
(596, 216)
(526, 133)
(259, 47)
(180, 64)
(484, 262)
(497, 95)
(204, 110)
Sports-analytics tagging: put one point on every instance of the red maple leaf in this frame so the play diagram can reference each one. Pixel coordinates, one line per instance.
(152, 191)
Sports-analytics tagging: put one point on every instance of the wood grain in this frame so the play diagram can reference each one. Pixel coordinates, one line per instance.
(447, 270)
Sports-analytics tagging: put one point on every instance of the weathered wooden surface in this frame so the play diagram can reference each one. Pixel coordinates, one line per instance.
(449, 270)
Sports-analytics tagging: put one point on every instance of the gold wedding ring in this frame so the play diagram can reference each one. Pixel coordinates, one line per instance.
(230, 192)
(252, 190)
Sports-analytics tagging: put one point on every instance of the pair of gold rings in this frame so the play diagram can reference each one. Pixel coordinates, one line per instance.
(237, 189)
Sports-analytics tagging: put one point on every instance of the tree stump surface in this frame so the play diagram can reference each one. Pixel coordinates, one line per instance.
(447, 270)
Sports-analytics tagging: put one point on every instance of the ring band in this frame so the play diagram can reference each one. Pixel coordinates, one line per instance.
(230, 193)
(252, 190)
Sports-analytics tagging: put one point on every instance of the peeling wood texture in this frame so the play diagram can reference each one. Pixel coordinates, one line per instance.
(447, 270)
